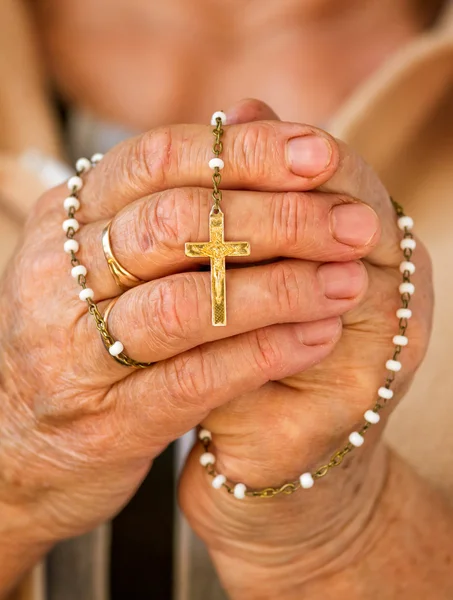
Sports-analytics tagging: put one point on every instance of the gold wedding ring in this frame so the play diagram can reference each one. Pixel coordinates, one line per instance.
(107, 311)
(122, 277)
(108, 340)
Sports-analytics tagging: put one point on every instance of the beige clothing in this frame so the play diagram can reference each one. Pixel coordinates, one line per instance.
(401, 121)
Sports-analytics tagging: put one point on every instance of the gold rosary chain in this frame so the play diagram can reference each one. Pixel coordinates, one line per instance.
(217, 149)
(337, 458)
(93, 309)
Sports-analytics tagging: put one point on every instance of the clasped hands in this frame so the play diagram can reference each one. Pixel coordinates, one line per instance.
(310, 324)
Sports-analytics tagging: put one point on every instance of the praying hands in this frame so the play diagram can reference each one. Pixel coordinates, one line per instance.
(312, 313)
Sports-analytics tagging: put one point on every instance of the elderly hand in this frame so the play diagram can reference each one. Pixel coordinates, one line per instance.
(275, 433)
(78, 430)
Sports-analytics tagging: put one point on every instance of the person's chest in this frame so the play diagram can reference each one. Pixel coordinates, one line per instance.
(143, 64)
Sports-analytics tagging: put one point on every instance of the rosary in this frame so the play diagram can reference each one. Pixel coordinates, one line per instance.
(217, 250)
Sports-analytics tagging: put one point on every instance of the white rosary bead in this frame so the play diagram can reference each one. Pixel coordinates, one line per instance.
(372, 417)
(306, 481)
(204, 434)
(408, 244)
(70, 224)
(385, 393)
(116, 348)
(407, 266)
(405, 223)
(75, 183)
(71, 246)
(404, 313)
(400, 340)
(83, 165)
(207, 458)
(219, 114)
(216, 162)
(393, 365)
(407, 288)
(78, 270)
(86, 293)
(96, 158)
(356, 439)
(218, 481)
(71, 202)
(239, 491)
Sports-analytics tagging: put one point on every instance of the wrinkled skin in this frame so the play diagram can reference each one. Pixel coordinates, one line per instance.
(79, 431)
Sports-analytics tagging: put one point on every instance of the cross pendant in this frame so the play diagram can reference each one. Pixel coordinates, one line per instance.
(217, 250)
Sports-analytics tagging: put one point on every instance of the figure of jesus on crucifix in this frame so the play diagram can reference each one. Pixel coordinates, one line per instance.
(217, 250)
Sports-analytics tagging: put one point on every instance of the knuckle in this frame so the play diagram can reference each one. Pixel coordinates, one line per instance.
(173, 309)
(170, 218)
(162, 223)
(165, 306)
(192, 379)
(268, 358)
(293, 217)
(151, 156)
(252, 147)
(157, 224)
(284, 286)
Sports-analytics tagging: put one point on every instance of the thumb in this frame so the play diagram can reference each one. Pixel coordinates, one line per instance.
(249, 110)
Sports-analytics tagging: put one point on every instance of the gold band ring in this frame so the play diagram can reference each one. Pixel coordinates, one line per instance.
(102, 325)
(122, 277)
(110, 305)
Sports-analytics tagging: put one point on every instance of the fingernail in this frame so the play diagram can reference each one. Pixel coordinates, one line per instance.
(353, 224)
(309, 155)
(318, 332)
(342, 280)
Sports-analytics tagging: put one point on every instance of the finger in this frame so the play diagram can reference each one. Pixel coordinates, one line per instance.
(249, 110)
(167, 400)
(255, 155)
(291, 412)
(147, 237)
(355, 178)
(163, 318)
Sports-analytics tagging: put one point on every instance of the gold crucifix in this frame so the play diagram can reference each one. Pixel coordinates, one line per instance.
(217, 250)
